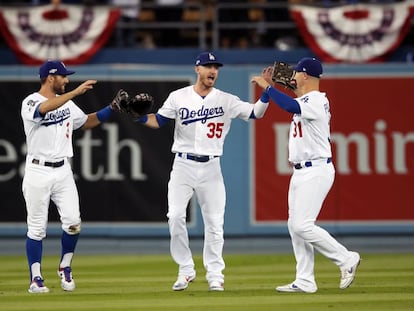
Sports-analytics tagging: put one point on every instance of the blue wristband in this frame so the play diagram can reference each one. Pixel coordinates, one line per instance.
(264, 98)
(268, 89)
(104, 113)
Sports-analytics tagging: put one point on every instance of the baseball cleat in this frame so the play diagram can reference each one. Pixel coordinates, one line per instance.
(37, 286)
(183, 281)
(216, 286)
(348, 274)
(292, 288)
(67, 282)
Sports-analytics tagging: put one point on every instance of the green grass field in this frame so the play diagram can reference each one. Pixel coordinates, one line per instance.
(143, 282)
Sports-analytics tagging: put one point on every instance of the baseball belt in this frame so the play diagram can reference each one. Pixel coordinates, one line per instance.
(50, 164)
(298, 166)
(196, 157)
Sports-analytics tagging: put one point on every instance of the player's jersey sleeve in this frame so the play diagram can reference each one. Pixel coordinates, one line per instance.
(30, 106)
(169, 109)
(238, 108)
(79, 117)
(313, 105)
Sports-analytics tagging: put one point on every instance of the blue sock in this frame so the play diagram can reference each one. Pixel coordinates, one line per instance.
(34, 250)
(68, 243)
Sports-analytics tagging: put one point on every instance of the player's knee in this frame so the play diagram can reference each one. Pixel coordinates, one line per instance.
(177, 224)
(215, 235)
(300, 228)
(73, 229)
(37, 235)
(176, 219)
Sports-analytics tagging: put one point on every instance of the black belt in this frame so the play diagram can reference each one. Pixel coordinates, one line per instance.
(51, 164)
(298, 166)
(194, 157)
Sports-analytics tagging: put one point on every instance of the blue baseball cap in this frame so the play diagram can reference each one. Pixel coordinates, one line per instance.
(311, 66)
(207, 58)
(54, 67)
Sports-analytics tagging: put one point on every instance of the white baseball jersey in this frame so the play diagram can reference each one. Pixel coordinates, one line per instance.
(201, 125)
(310, 131)
(50, 137)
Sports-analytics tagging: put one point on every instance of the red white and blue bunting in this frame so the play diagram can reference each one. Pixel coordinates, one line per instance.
(354, 33)
(70, 33)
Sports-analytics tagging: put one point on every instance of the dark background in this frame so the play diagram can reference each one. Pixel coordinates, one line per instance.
(101, 200)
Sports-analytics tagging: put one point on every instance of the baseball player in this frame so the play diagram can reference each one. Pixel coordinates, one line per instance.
(49, 118)
(312, 178)
(202, 115)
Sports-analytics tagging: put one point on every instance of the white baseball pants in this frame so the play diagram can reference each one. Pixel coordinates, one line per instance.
(206, 181)
(307, 191)
(42, 184)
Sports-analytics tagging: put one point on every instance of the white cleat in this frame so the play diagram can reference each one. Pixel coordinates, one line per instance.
(292, 288)
(348, 274)
(67, 282)
(37, 286)
(216, 286)
(183, 281)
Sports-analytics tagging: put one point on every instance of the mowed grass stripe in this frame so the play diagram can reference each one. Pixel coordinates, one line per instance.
(143, 282)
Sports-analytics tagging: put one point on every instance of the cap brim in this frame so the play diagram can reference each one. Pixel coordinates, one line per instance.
(211, 63)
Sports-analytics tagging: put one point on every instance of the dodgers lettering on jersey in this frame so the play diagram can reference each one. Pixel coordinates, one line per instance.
(56, 117)
(50, 137)
(201, 124)
(309, 136)
(203, 114)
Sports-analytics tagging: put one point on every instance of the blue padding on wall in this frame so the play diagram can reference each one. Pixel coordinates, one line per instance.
(185, 56)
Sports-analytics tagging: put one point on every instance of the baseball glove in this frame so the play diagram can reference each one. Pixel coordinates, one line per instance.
(141, 104)
(120, 101)
(283, 75)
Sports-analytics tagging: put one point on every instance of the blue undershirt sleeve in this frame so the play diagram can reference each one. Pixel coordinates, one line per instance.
(37, 113)
(283, 101)
(161, 119)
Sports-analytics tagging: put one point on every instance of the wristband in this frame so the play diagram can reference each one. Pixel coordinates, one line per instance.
(104, 113)
(268, 88)
(265, 97)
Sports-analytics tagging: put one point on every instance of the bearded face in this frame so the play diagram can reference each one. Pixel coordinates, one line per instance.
(59, 83)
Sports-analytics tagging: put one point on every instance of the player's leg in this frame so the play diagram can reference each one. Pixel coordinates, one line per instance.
(304, 255)
(313, 190)
(211, 195)
(66, 198)
(180, 191)
(315, 185)
(36, 189)
(302, 249)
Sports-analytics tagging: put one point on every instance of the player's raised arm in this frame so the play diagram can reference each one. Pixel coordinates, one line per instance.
(282, 100)
(57, 101)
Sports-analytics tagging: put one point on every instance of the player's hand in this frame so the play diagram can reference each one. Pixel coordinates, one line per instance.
(267, 74)
(260, 81)
(84, 87)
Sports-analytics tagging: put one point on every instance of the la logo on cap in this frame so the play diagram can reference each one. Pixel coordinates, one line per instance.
(211, 56)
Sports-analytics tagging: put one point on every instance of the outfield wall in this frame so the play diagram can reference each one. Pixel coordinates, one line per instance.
(122, 168)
